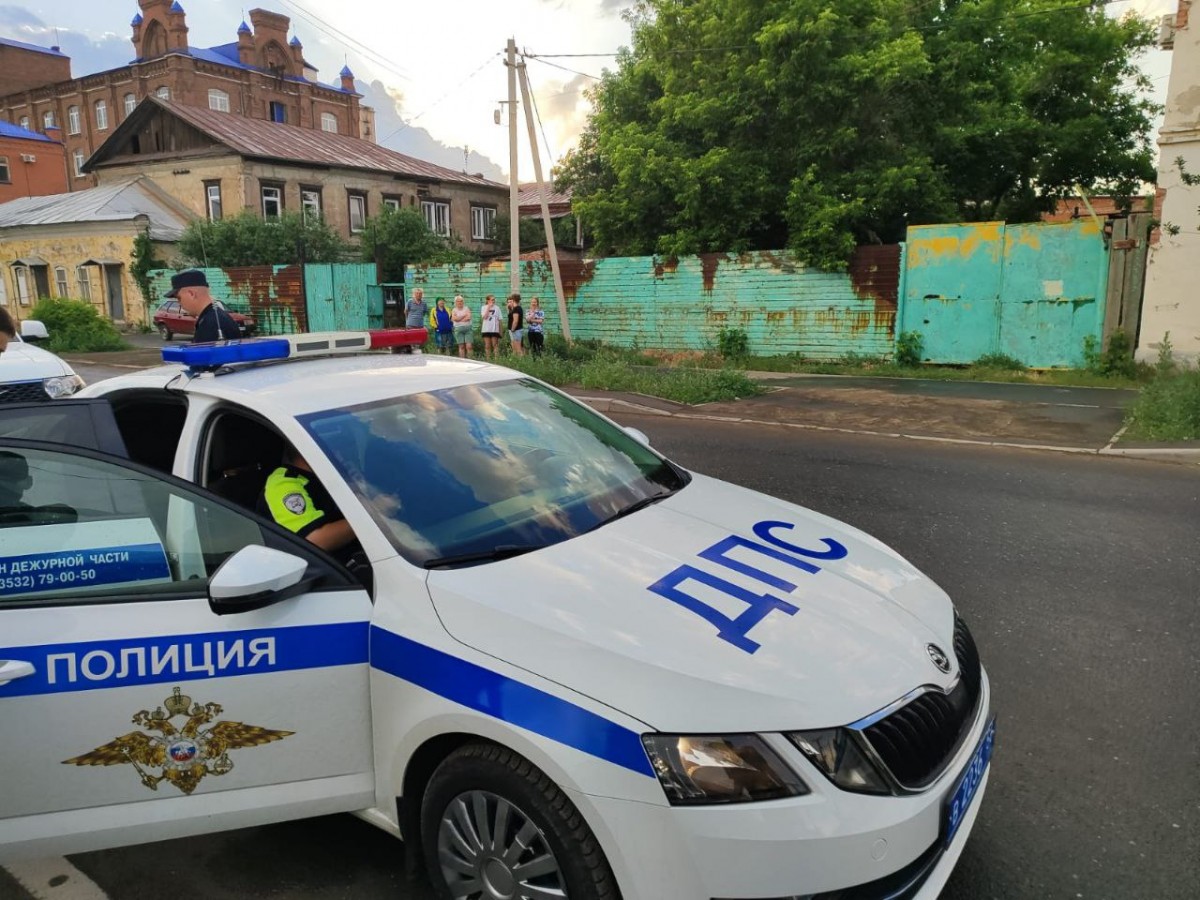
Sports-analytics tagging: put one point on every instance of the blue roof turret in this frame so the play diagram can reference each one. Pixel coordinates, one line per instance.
(295, 42)
(137, 20)
(176, 8)
(346, 73)
(243, 28)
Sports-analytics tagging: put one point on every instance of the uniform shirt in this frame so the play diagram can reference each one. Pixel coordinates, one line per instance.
(298, 501)
(215, 324)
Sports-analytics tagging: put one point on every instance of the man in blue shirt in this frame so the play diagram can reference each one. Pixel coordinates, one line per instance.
(213, 323)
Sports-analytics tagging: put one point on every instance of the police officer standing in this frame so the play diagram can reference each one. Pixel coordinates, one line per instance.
(213, 323)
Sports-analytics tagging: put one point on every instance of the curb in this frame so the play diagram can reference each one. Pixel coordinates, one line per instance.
(1185, 456)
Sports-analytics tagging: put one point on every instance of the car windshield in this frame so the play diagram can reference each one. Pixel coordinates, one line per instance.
(484, 471)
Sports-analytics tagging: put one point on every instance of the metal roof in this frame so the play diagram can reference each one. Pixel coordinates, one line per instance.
(120, 202)
(530, 194)
(21, 45)
(8, 130)
(261, 139)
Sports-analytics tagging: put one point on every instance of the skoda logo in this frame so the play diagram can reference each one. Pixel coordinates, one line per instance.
(939, 657)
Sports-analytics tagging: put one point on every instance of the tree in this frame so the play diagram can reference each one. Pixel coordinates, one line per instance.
(532, 233)
(247, 240)
(144, 261)
(399, 238)
(741, 124)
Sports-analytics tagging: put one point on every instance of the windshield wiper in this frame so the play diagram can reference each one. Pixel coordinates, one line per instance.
(632, 508)
(502, 551)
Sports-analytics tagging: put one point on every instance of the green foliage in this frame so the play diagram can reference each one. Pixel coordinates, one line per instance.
(532, 234)
(821, 125)
(910, 348)
(247, 240)
(1115, 361)
(1168, 409)
(733, 343)
(1164, 366)
(400, 237)
(76, 327)
(1000, 361)
(143, 263)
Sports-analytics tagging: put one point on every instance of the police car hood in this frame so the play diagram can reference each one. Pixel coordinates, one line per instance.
(25, 362)
(704, 651)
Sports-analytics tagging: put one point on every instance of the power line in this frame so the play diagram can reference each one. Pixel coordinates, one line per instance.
(347, 41)
(541, 125)
(438, 102)
(564, 68)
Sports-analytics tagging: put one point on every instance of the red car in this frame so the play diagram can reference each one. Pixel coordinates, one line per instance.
(170, 320)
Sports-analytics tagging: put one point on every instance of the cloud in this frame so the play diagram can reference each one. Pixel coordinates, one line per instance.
(14, 17)
(395, 133)
(88, 54)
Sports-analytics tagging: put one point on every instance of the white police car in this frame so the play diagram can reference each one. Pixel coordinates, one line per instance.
(564, 666)
(30, 374)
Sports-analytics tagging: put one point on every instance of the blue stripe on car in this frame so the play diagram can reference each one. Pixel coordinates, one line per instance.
(505, 698)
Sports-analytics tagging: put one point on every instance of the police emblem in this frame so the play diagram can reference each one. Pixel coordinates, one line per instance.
(295, 503)
(182, 755)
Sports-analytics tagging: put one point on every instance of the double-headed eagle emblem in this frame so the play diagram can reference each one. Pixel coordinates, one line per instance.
(180, 755)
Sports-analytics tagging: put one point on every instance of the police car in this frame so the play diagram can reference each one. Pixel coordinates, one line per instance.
(28, 373)
(560, 664)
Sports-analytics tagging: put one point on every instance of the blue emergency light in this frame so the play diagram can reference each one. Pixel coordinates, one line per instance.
(223, 353)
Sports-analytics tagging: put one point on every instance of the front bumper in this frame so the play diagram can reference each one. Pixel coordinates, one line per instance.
(827, 841)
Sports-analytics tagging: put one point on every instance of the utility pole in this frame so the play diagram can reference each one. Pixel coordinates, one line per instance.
(543, 193)
(514, 206)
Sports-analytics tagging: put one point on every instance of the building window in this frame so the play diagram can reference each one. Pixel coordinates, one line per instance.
(483, 218)
(310, 204)
(392, 203)
(78, 157)
(329, 123)
(5, 174)
(25, 122)
(3, 292)
(358, 212)
(212, 199)
(130, 103)
(218, 100)
(48, 119)
(85, 283)
(163, 93)
(272, 202)
(101, 115)
(278, 112)
(437, 216)
(21, 275)
(73, 120)
(60, 281)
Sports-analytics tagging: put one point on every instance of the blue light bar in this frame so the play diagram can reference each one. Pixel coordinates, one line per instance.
(223, 353)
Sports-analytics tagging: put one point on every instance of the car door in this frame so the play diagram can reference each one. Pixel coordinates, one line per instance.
(75, 422)
(130, 710)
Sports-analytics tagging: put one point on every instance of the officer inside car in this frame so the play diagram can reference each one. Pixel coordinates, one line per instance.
(296, 500)
(213, 323)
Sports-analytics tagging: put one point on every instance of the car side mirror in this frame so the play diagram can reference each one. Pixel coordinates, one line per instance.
(638, 435)
(33, 331)
(255, 577)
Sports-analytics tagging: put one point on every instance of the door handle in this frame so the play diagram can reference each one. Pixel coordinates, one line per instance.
(12, 669)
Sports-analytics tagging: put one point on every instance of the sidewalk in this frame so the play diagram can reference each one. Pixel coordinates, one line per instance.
(1035, 417)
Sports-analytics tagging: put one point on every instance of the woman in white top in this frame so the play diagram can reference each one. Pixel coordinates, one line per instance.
(461, 317)
(489, 315)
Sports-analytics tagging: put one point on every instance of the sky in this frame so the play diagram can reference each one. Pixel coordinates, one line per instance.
(433, 71)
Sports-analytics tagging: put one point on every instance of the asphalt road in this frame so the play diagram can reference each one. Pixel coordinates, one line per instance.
(1079, 578)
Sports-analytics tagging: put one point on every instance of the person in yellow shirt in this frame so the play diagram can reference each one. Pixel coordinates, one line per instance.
(296, 500)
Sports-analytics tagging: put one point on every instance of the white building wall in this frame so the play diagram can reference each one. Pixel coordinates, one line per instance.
(1172, 299)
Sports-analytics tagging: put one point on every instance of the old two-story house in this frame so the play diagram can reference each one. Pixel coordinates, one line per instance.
(260, 75)
(218, 164)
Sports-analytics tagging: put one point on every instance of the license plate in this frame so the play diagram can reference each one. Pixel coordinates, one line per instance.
(960, 798)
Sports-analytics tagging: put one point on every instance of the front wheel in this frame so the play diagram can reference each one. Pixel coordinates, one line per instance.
(495, 827)
(165, 332)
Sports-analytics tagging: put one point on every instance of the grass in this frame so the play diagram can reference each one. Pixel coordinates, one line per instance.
(1167, 410)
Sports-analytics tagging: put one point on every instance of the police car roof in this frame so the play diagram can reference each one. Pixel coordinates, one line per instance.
(300, 386)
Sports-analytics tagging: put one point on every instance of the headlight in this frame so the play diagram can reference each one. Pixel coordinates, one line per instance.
(734, 768)
(835, 751)
(61, 386)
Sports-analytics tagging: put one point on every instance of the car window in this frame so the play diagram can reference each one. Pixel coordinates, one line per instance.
(475, 468)
(73, 527)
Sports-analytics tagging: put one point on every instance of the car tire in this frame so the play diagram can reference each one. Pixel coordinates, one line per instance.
(165, 332)
(545, 841)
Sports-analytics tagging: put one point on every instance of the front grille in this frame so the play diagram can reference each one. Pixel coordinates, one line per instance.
(23, 392)
(917, 740)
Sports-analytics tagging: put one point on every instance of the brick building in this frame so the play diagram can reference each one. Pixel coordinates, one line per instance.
(260, 75)
(31, 164)
(218, 165)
